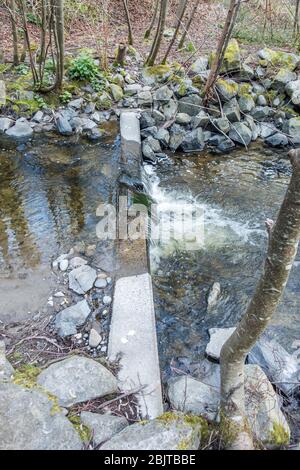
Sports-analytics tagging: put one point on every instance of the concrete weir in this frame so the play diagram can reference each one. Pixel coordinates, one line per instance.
(132, 338)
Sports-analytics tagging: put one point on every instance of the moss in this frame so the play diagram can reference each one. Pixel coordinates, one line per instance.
(279, 435)
(84, 432)
(278, 59)
(26, 376)
(184, 444)
(245, 90)
(232, 57)
(158, 70)
(229, 87)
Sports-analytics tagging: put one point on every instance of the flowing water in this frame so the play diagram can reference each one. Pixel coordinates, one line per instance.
(49, 192)
(236, 194)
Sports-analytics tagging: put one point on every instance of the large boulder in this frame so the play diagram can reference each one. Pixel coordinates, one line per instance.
(293, 129)
(282, 78)
(103, 426)
(279, 58)
(30, 422)
(232, 57)
(169, 432)
(190, 104)
(177, 134)
(21, 130)
(68, 320)
(82, 279)
(77, 379)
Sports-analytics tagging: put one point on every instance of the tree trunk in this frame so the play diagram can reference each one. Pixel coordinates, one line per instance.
(179, 21)
(283, 245)
(58, 17)
(121, 54)
(222, 45)
(159, 33)
(296, 19)
(14, 32)
(149, 30)
(130, 36)
(188, 25)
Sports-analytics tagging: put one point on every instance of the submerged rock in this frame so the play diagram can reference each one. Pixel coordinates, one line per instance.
(171, 433)
(103, 426)
(30, 423)
(77, 379)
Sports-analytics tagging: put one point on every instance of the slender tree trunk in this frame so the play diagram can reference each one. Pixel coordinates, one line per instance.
(159, 33)
(179, 21)
(121, 54)
(222, 45)
(151, 26)
(296, 19)
(14, 32)
(42, 57)
(130, 35)
(283, 245)
(188, 25)
(58, 16)
(28, 43)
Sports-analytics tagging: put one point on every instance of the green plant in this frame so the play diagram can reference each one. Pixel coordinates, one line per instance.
(65, 97)
(22, 69)
(33, 19)
(40, 102)
(84, 67)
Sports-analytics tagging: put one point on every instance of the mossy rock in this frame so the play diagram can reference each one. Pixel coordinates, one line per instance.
(279, 436)
(232, 57)
(273, 58)
(228, 89)
(104, 101)
(156, 73)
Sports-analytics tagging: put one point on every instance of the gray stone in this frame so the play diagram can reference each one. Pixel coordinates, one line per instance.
(228, 89)
(252, 126)
(225, 145)
(277, 140)
(193, 141)
(153, 143)
(116, 91)
(281, 58)
(90, 108)
(2, 93)
(29, 423)
(94, 338)
(38, 117)
(163, 136)
(261, 101)
(147, 151)
(157, 435)
(146, 120)
(82, 124)
(240, 133)
(21, 130)
(266, 129)
(82, 279)
(213, 295)
(107, 300)
(282, 78)
(170, 109)
(221, 124)
(98, 117)
(77, 261)
(100, 283)
(218, 336)
(200, 65)
(158, 117)
(67, 321)
(246, 104)
(190, 104)
(246, 73)
(291, 87)
(132, 89)
(200, 120)
(149, 131)
(177, 134)
(77, 104)
(183, 118)
(258, 89)
(5, 123)
(145, 98)
(163, 94)
(281, 368)
(293, 129)
(63, 126)
(6, 369)
(103, 426)
(77, 379)
(232, 111)
(64, 264)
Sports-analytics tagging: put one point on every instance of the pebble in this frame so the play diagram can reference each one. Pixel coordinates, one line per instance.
(107, 300)
(59, 294)
(63, 265)
(100, 283)
(94, 338)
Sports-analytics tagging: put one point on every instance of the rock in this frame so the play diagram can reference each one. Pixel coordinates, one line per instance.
(293, 129)
(177, 134)
(146, 120)
(169, 110)
(282, 78)
(100, 283)
(82, 124)
(64, 264)
(193, 141)
(31, 423)
(104, 101)
(132, 89)
(246, 72)
(189, 395)
(291, 87)
(252, 126)
(279, 58)
(145, 98)
(67, 321)
(149, 131)
(190, 104)
(240, 133)
(77, 379)
(153, 143)
(94, 338)
(76, 262)
(163, 94)
(225, 145)
(90, 108)
(148, 152)
(174, 433)
(98, 117)
(232, 111)
(218, 336)
(77, 104)
(6, 369)
(38, 117)
(5, 123)
(200, 65)
(261, 112)
(277, 140)
(63, 126)
(158, 117)
(213, 295)
(200, 120)
(232, 57)
(116, 91)
(221, 124)
(163, 136)
(246, 103)
(2, 93)
(103, 426)
(183, 118)
(266, 129)
(156, 74)
(281, 368)
(107, 300)
(228, 89)
(82, 279)
(21, 130)
(118, 79)
(261, 101)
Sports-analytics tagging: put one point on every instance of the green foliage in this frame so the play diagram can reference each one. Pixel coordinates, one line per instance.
(33, 19)
(65, 97)
(84, 68)
(189, 47)
(40, 102)
(26, 375)
(22, 69)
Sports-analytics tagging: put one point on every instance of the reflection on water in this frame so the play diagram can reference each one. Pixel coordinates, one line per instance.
(237, 193)
(49, 193)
